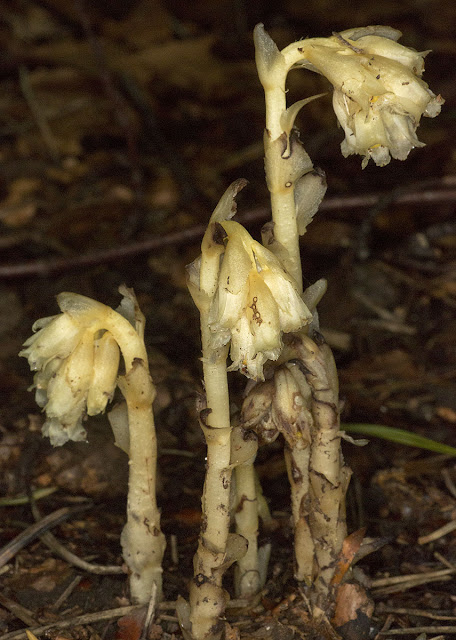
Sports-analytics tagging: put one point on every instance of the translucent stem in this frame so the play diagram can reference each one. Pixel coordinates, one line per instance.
(328, 475)
(284, 166)
(142, 541)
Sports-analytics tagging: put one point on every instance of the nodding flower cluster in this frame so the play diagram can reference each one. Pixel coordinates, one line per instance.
(76, 356)
(251, 299)
(379, 96)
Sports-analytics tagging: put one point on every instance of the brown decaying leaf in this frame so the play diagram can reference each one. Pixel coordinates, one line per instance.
(130, 627)
(350, 548)
(353, 612)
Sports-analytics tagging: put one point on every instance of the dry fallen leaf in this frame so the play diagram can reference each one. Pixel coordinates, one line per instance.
(354, 609)
(350, 548)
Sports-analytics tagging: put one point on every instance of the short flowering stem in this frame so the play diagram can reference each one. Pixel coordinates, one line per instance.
(142, 541)
(297, 461)
(76, 356)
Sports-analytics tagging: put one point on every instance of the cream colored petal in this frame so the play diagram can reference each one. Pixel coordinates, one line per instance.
(256, 338)
(400, 134)
(263, 315)
(236, 265)
(391, 50)
(80, 307)
(70, 386)
(59, 433)
(226, 308)
(104, 374)
(292, 311)
(348, 72)
(57, 338)
(400, 80)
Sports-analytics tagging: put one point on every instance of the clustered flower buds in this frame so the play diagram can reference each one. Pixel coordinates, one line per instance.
(379, 96)
(253, 300)
(250, 297)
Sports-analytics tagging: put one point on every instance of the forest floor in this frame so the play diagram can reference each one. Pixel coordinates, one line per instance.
(120, 127)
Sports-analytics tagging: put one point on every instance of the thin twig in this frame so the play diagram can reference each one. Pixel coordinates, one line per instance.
(87, 618)
(59, 549)
(21, 613)
(90, 618)
(45, 268)
(386, 582)
(394, 584)
(449, 482)
(66, 593)
(409, 630)
(419, 613)
(438, 556)
(150, 612)
(410, 584)
(387, 625)
(36, 530)
(438, 533)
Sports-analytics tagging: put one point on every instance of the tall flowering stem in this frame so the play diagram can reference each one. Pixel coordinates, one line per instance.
(379, 99)
(286, 161)
(76, 356)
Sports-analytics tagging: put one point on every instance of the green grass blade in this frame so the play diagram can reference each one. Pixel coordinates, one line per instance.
(19, 500)
(400, 436)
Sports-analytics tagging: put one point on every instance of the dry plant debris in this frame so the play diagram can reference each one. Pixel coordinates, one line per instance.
(119, 127)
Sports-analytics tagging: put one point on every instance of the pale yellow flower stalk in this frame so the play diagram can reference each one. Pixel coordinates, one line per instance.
(247, 300)
(76, 355)
(329, 476)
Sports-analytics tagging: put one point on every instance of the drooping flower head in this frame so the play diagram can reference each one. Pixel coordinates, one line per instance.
(379, 96)
(76, 358)
(249, 298)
